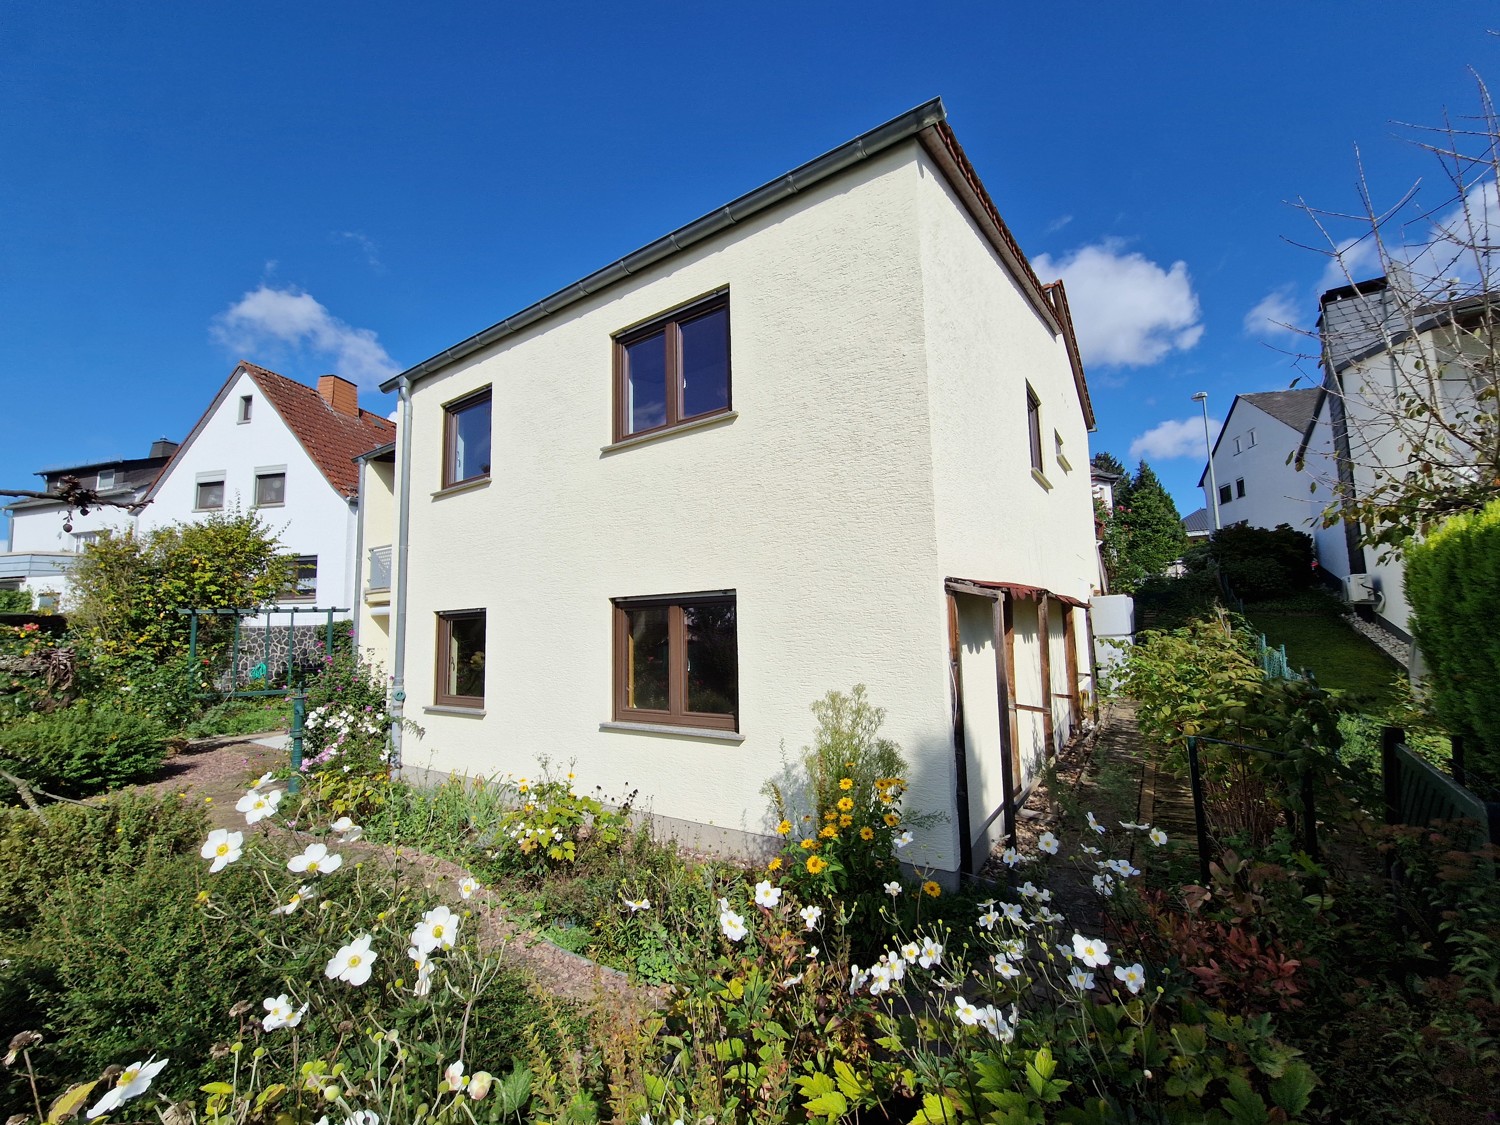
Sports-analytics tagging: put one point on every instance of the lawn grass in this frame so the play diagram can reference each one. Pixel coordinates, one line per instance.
(1318, 638)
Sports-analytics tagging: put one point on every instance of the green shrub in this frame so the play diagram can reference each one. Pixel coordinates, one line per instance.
(15, 601)
(1260, 563)
(84, 749)
(1453, 583)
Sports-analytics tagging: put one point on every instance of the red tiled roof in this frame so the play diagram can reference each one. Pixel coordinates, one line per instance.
(332, 439)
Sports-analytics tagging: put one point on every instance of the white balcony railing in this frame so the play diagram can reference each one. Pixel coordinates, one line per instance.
(379, 574)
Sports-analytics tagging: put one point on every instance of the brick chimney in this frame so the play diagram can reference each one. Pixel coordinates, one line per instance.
(340, 394)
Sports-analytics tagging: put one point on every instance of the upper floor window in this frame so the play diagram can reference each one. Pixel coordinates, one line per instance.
(209, 496)
(302, 579)
(246, 402)
(270, 488)
(673, 369)
(1252, 437)
(1237, 447)
(107, 479)
(466, 439)
(1225, 495)
(1034, 426)
(677, 661)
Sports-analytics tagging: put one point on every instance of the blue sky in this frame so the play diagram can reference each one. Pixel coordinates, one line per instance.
(354, 187)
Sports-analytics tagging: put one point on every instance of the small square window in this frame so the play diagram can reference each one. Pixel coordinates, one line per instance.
(270, 490)
(210, 496)
(302, 582)
(1237, 448)
(674, 369)
(460, 658)
(677, 661)
(1239, 487)
(1034, 426)
(1225, 496)
(466, 439)
(246, 403)
(107, 479)
(1252, 437)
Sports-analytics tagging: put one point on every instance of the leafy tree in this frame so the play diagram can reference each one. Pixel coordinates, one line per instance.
(129, 587)
(15, 601)
(1143, 535)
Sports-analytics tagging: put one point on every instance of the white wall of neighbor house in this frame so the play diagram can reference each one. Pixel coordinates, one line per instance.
(813, 503)
(41, 529)
(1254, 451)
(1320, 473)
(375, 608)
(314, 520)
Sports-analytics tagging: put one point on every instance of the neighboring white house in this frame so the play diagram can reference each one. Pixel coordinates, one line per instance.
(834, 432)
(1255, 463)
(45, 538)
(1379, 344)
(286, 451)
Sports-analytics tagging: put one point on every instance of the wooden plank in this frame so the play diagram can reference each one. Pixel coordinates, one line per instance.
(1044, 635)
(960, 745)
(1005, 693)
(1009, 607)
(1070, 656)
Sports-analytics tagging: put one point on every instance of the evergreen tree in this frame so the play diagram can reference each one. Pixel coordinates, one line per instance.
(1143, 534)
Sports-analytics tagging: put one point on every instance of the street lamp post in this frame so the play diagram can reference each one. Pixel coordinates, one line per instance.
(1213, 484)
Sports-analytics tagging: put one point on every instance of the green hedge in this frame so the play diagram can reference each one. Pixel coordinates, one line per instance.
(83, 749)
(1453, 584)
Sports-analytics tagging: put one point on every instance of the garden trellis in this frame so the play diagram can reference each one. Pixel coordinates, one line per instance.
(260, 678)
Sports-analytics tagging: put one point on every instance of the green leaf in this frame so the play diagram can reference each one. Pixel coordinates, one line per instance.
(1293, 1090)
(936, 1110)
(71, 1103)
(217, 1088)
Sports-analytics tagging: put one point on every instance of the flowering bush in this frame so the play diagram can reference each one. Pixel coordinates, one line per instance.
(347, 724)
(549, 822)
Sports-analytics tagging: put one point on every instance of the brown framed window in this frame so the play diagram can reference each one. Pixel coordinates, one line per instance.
(673, 369)
(677, 660)
(302, 579)
(466, 439)
(209, 496)
(270, 490)
(460, 658)
(1034, 426)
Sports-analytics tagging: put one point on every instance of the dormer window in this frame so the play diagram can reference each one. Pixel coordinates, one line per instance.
(107, 478)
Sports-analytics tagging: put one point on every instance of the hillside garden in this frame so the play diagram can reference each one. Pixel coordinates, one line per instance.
(361, 950)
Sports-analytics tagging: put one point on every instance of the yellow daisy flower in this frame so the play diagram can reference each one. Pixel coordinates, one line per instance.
(867, 833)
(829, 832)
(784, 828)
(846, 804)
(845, 821)
(846, 783)
(892, 819)
(815, 864)
(775, 864)
(809, 843)
(931, 889)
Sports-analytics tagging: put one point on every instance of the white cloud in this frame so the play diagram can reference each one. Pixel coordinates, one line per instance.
(1058, 223)
(1129, 311)
(1173, 438)
(1274, 314)
(289, 323)
(366, 245)
(1357, 259)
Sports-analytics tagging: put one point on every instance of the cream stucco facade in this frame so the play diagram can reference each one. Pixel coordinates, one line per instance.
(876, 446)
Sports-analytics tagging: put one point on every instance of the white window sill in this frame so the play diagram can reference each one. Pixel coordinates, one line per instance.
(463, 486)
(670, 432)
(703, 733)
(448, 709)
(1036, 475)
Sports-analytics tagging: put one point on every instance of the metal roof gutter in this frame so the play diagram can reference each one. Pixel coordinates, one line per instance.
(815, 171)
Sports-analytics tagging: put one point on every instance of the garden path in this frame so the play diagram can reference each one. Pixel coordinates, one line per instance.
(216, 771)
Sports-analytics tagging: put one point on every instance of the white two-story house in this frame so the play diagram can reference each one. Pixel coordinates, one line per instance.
(1256, 480)
(286, 451)
(834, 432)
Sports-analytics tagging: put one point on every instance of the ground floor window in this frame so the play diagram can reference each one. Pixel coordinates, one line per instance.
(677, 660)
(460, 658)
(302, 579)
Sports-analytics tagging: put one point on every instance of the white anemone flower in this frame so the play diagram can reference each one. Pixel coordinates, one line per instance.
(454, 1076)
(1048, 843)
(1081, 980)
(301, 895)
(348, 831)
(1064, 951)
(880, 979)
(766, 895)
(423, 964)
(1010, 857)
(792, 982)
(896, 964)
(480, 1084)
(932, 954)
(992, 1021)
(733, 926)
(316, 860)
(810, 916)
(280, 1013)
(857, 978)
(437, 930)
(638, 904)
(1132, 976)
(223, 847)
(1028, 889)
(893, 889)
(1157, 837)
(1006, 970)
(468, 886)
(1095, 825)
(1047, 915)
(902, 840)
(257, 805)
(1091, 951)
(353, 962)
(1104, 885)
(968, 1015)
(1012, 912)
(910, 951)
(132, 1082)
(988, 919)
(264, 779)
(363, 1117)
(1089, 849)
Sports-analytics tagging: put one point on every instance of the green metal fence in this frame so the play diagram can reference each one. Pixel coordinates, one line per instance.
(263, 673)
